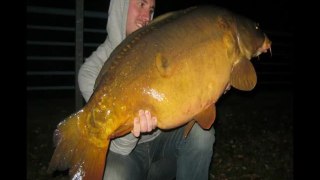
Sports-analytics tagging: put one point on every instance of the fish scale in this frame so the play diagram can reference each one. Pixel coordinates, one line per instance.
(176, 67)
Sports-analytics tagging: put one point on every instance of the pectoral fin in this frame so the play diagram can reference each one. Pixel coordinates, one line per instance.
(122, 130)
(188, 128)
(205, 119)
(243, 76)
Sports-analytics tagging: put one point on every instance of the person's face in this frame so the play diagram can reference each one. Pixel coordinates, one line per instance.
(139, 14)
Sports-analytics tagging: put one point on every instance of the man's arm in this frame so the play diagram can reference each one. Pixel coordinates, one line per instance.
(86, 78)
(90, 69)
(144, 123)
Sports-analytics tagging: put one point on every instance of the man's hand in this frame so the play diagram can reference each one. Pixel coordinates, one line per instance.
(143, 123)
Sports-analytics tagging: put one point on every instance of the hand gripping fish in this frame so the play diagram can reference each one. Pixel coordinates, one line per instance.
(176, 67)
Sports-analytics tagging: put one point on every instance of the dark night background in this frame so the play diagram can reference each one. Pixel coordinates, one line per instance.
(254, 130)
(51, 38)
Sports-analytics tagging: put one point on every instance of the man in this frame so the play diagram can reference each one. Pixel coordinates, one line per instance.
(147, 152)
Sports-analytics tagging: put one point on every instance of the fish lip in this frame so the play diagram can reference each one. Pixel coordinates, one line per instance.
(265, 47)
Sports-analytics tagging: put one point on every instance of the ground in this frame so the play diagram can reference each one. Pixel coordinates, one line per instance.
(254, 134)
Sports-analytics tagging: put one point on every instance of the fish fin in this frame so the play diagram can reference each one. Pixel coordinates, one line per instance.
(163, 65)
(188, 128)
(206, 118)
(243, 76)
(76, 151)
(122, 130)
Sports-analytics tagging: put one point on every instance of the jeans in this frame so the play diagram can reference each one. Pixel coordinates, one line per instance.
(168, 156)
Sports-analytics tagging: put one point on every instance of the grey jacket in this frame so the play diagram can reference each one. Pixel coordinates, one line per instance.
(116, 29)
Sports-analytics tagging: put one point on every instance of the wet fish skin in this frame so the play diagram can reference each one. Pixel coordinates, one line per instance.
(177, 67)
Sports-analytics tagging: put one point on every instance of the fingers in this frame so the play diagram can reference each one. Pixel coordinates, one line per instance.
(154, 122)
(136, 127)
(149, 121)
(144, 120)
(145, 123)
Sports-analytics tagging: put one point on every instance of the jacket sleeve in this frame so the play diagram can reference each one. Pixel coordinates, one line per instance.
(90, 69)
(124, 145)
(88, 73)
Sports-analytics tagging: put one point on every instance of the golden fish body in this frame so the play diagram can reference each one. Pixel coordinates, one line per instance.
(177, 67)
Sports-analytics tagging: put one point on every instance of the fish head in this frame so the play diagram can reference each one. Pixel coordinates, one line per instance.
(251, 39)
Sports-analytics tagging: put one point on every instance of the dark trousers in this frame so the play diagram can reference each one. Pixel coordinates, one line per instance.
(166, 157)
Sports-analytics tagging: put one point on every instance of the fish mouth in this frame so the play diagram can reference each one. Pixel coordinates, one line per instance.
(265, 47)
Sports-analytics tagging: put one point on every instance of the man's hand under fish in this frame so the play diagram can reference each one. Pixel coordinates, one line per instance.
(143, 123)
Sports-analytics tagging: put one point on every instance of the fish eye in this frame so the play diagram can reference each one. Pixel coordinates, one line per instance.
(257, 25)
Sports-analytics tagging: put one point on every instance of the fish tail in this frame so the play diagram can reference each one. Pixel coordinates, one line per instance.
(75, 152)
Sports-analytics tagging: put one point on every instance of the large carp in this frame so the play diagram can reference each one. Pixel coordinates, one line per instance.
(177, 67)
